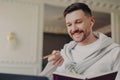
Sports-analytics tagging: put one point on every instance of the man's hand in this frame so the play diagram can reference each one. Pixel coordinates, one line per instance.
(56, 58)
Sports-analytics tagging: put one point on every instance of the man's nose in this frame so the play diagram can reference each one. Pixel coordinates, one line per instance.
(74, 28)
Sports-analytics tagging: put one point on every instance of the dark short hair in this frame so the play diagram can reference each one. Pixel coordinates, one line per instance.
(78, 6)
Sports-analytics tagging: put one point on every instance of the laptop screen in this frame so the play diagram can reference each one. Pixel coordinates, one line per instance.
(6, 76)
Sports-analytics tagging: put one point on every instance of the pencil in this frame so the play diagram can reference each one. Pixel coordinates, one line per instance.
(45, 57)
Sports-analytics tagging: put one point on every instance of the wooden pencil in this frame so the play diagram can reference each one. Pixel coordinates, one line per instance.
(45, 57)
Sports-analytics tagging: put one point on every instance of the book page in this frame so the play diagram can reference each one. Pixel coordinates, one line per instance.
(78, 76)
(72, 75)
(101, 74)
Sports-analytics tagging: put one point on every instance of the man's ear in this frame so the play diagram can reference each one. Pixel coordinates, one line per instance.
(92, 21)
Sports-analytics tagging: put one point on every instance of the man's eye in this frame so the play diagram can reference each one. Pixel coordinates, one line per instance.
(68, 25)
(79, 22)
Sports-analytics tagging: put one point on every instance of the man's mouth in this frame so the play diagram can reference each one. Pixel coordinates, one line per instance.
(77, 34)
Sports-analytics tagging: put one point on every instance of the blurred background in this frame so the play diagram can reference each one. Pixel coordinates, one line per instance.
(31, 29)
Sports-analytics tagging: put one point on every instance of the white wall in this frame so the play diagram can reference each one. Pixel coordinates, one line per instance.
(21, 21)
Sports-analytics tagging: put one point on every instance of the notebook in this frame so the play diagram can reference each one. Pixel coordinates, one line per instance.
(105, 76)
(7, 76)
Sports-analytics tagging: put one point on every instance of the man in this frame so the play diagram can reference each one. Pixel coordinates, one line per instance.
(90, 52)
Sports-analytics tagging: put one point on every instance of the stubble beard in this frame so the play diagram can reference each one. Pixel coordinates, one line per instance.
(84, 37)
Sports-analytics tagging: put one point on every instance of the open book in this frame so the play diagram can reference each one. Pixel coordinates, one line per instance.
(70, 76)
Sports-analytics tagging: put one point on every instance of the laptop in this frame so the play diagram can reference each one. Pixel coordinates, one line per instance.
(7, 76)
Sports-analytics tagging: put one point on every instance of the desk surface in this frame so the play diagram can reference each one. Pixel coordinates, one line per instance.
(7, 76)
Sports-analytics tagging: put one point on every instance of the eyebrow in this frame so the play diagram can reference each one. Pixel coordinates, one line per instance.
(75, 20)
(79, 19)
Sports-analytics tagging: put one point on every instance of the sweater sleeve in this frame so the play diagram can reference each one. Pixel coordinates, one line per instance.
(48, 71)
(118, 75)
(116, 62)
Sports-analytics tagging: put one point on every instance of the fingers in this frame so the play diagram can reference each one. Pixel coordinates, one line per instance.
(56, 58)
(59, 61)
(55, 55)
(55, 52)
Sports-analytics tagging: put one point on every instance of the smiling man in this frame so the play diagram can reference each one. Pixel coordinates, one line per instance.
(79, 26)
(89, 53)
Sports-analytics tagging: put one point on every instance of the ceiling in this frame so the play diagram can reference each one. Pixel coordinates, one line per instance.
(53, 18)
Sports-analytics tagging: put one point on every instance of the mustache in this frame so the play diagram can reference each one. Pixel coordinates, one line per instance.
(76, 31)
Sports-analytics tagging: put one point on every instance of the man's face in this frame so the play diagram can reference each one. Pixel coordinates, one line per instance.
(79, 25)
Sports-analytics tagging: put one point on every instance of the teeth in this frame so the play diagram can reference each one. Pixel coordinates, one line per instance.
(76, 34)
